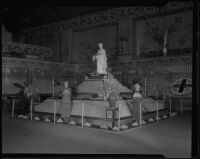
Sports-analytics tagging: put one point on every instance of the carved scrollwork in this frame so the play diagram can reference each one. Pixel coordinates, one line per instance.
(112, 15)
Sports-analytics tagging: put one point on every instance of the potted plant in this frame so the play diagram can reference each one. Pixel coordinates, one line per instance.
(31, 91)
(109, 91)
(113, 98)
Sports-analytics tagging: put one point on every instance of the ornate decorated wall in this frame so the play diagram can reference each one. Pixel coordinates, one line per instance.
(15, 70)
(6, 36)
(176, 28)
(161, 74)
(84, 42)
(11, 48)
(61, 34)
(22, 50)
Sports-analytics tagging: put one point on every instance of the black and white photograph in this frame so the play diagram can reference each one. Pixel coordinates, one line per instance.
(104, 78)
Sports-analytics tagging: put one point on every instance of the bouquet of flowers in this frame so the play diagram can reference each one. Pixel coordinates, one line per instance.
(109, 91)
(31, 91)
(104, 91)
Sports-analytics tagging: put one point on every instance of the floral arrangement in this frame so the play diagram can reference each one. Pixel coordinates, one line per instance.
(161, 92)
(31, 91)
(109, 90)
(159, 33)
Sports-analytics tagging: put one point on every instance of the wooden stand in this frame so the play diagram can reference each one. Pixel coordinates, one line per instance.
(113, 110)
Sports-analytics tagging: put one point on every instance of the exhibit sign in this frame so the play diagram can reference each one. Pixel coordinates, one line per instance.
(182, 86)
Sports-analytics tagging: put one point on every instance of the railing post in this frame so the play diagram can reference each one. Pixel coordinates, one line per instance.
(157, 110)
(31, 108)
(181, 106)
(82, 113)
(119, 118)
(140, 112)
(164, 101)
(13, 107)
(54, 111)
(170, 106)
(6, 104)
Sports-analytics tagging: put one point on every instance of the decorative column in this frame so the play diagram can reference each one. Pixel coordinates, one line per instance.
(133, 40)
(124, 35)
(65, 44)
(125, 39)
(55, 46)
(69, 45)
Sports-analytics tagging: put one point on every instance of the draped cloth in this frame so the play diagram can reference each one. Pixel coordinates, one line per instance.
(101, 61)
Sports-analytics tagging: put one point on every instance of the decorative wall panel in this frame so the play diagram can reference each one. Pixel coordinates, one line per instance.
(85, 42)
(127, 30)
(150, 33)
(125, 38)
(26, 49)
(98, 18)
(15, 70)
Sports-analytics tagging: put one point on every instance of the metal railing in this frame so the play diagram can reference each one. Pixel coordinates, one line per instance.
(118, 108)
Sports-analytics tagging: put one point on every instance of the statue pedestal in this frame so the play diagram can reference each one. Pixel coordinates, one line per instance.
(87, 95)
(93, 111)
(96, 76)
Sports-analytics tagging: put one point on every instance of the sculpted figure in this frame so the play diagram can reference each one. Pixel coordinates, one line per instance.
(101, 59)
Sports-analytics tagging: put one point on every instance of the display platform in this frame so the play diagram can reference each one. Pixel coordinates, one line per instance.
(94, 82)
(88, 104)
(95, 123)
(97, 111)
(93, 109)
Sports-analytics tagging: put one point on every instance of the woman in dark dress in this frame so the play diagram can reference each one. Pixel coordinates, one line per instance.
(66, 105)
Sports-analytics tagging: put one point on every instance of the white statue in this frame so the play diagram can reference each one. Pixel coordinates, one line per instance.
(101, 60)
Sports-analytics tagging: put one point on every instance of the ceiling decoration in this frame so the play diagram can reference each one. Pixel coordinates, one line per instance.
(19, 18)
(24, 14)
